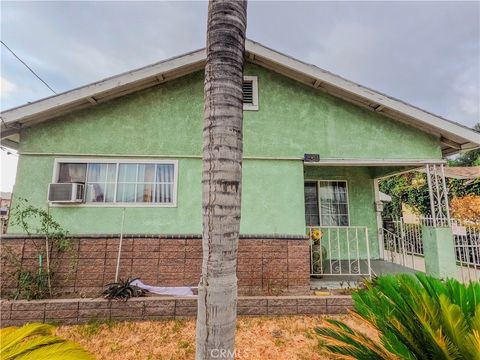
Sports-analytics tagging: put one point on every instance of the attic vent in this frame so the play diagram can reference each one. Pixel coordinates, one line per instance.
(250, 93)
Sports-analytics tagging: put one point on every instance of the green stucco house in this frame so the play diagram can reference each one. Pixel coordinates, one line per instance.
(315, 147)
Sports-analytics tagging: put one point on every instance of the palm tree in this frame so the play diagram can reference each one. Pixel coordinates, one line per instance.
(37, 341)
(221, 179)
(417, 317)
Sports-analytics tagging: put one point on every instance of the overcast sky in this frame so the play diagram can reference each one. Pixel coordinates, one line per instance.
(425, 53)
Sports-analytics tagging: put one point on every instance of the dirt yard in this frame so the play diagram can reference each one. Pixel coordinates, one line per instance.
(276, 338)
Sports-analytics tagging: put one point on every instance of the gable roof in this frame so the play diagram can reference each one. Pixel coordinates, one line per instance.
(453, 136)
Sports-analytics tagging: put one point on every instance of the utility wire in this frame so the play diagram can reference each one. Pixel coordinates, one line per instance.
(28, 67)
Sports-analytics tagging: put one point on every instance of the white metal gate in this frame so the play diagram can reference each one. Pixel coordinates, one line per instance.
(403, 245)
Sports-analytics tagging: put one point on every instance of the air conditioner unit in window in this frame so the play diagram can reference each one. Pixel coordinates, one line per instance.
(65, 193)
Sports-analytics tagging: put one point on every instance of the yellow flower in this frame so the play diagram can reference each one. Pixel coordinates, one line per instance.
(316, 234)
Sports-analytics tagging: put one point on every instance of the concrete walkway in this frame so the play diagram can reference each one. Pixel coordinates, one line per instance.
(379, 267)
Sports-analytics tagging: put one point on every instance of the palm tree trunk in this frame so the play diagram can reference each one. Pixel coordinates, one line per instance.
(222, 173)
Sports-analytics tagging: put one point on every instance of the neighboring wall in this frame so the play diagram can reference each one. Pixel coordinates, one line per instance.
(166, 122)
(77, 311)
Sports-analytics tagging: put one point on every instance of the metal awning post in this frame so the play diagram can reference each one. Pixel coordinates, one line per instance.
(438, 192)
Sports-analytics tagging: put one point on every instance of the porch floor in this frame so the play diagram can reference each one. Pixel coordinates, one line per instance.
(379, 267)
(382, 267)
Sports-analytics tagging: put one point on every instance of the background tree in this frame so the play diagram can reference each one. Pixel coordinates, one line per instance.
(469, 158)
(221, 179)
(412, 189)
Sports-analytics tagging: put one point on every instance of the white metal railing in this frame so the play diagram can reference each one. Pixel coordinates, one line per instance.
(339, 250)
(402, 252)
(411, 234)
(467, 250)
(403, 245)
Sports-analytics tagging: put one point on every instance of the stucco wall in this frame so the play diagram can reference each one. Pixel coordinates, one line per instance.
(166, 121)
(272, 201)
(293, 119)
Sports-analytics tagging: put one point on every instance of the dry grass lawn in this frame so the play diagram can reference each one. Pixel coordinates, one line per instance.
(288, 337)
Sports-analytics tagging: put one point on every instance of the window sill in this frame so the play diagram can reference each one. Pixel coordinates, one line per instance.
(250, 107)
(110, 205)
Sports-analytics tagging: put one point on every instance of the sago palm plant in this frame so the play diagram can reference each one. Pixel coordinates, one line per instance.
(417, 317)
(36, 342)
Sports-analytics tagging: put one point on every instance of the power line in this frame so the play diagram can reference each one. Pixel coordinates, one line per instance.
(28, 67)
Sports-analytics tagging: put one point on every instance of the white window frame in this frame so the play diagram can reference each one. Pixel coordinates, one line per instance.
(318, 181)
(254, 105)
(56, 169)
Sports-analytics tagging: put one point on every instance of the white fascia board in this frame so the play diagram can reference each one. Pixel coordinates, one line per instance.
(321, 76)
(10, 143)
(89, 91)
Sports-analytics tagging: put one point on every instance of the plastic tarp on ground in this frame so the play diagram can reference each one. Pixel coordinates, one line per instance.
(161, 290)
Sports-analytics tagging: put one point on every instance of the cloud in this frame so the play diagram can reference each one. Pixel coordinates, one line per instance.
(336, 50)
(465, 100)
(420, 52)
(7, 88)
(466, 86)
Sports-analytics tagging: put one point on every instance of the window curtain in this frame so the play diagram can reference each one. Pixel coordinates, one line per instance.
(136, 182)
(333, 203)
(164, 183)
(326, 205)
(72, 172)
(101, 182)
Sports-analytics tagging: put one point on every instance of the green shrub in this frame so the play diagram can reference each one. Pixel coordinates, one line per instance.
(416, 318)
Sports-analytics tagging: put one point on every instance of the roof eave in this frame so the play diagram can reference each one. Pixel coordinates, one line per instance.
(453, 136)
(89, 95)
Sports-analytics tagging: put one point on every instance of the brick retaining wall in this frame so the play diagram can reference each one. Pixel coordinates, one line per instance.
(266, 265)
(74, 311)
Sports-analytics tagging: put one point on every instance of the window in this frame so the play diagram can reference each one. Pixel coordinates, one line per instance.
(100, 185)
(312, 215)
(250, 93)
(122, 182)
(326, 203)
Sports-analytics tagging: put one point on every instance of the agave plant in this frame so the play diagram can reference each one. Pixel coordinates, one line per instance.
(36, 342)
(416, 318)
(122, 290)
